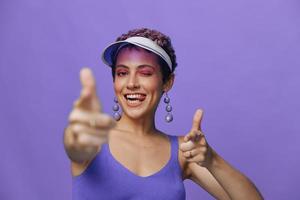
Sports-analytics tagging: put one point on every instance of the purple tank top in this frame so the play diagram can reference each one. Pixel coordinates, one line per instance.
(107, 179)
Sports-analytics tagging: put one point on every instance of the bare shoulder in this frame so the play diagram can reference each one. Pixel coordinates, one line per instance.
(186, 173)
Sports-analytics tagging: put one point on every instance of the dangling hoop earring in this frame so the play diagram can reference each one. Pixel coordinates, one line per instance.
(169, 116)
(116, 108)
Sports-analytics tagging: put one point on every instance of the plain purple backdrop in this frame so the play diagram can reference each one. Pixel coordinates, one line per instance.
(238, 60)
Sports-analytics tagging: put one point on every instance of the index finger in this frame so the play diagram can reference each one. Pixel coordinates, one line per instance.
(197, 120)
(88, 82)
(88, 98)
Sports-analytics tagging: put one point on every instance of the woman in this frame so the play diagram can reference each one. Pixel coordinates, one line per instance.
(130, 158)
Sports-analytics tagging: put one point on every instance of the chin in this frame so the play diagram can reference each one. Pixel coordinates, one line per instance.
(134, 113)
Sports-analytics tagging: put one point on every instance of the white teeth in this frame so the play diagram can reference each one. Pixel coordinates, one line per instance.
(133, 96)
(133, 101)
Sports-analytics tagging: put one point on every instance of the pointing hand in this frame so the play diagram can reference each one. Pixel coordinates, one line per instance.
(195, 147)
(88, 127)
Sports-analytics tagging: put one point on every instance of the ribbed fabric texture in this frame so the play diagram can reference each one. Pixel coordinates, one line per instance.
(107, 179)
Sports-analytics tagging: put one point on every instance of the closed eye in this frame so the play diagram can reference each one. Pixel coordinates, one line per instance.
(145, 73)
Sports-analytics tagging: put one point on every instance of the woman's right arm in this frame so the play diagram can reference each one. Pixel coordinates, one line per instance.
(88, 127)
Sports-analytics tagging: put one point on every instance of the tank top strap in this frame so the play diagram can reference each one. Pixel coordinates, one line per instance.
(174, 153)
(174, 146)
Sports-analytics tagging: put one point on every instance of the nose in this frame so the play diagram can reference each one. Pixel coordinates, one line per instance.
(133, 82)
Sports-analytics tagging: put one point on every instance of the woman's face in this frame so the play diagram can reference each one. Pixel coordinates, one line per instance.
(138, 82)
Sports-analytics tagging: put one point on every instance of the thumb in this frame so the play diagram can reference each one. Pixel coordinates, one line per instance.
(88, 98)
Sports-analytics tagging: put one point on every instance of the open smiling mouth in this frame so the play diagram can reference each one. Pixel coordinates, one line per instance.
(135, 99)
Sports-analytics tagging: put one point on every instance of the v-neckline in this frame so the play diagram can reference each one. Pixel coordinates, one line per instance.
(138, 176)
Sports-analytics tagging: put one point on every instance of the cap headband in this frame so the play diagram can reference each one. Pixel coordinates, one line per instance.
(109, 52)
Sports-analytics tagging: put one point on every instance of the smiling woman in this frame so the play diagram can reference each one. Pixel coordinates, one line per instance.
(130, 158)
(138, 82)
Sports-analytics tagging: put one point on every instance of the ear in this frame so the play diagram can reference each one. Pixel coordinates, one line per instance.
(168, 85)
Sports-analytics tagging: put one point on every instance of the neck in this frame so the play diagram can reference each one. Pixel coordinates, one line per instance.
(142, 127)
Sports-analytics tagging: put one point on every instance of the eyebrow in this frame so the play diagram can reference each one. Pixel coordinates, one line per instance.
(139, 67)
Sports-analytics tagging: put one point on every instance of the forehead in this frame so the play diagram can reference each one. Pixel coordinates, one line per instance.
(133, 55)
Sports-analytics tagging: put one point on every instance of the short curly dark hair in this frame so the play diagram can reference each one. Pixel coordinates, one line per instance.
(162, 40)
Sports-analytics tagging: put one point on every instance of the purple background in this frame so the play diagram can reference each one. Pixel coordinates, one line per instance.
(238, 60)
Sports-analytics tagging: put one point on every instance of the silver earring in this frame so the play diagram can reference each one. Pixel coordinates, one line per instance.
(116, 108)
(169, 116)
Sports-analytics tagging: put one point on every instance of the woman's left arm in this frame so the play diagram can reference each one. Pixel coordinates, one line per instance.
(236, 184)
(200, 155)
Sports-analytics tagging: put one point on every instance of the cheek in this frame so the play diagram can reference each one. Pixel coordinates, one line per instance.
(118, 85)
(154, 86)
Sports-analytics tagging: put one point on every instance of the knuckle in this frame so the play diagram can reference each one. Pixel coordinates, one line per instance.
(105, 121)
(182, 147)
(71, 116)
(186, 154)
(76, 127)
(75, 115)
(70, 134)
